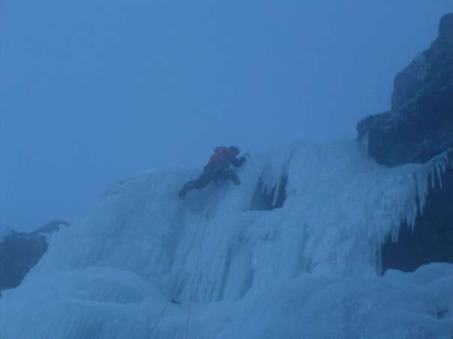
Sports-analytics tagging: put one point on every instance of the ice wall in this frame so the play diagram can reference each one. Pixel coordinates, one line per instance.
(145, 264)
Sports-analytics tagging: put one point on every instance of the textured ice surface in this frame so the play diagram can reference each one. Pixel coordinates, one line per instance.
(306, 270)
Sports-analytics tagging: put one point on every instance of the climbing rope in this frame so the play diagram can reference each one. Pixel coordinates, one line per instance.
(173, 289)
(159, 317)
(192, 292)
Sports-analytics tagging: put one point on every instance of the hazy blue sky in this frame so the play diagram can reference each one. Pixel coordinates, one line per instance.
(95, 91)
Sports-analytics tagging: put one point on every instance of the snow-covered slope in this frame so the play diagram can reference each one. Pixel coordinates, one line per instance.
(146, 265)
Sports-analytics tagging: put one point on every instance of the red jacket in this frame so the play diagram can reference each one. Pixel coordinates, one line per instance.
(223, 156)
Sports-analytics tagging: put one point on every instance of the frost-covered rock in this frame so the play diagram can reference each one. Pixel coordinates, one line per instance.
(420, 122)
(19, 252)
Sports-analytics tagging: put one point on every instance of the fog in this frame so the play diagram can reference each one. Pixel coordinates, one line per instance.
(94, 91)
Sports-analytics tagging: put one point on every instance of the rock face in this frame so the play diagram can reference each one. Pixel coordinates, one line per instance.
(19, 252)
(418, 127)
(420, 122)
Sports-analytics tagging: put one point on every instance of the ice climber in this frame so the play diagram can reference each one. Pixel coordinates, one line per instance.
(217, 169)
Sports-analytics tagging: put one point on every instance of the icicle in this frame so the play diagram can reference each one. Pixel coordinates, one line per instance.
(425, 178)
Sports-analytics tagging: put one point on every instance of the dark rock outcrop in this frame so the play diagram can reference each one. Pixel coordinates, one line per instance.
(267, 199)
(418, 127)
(19, 252)
(420, 122)
(431, 240)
